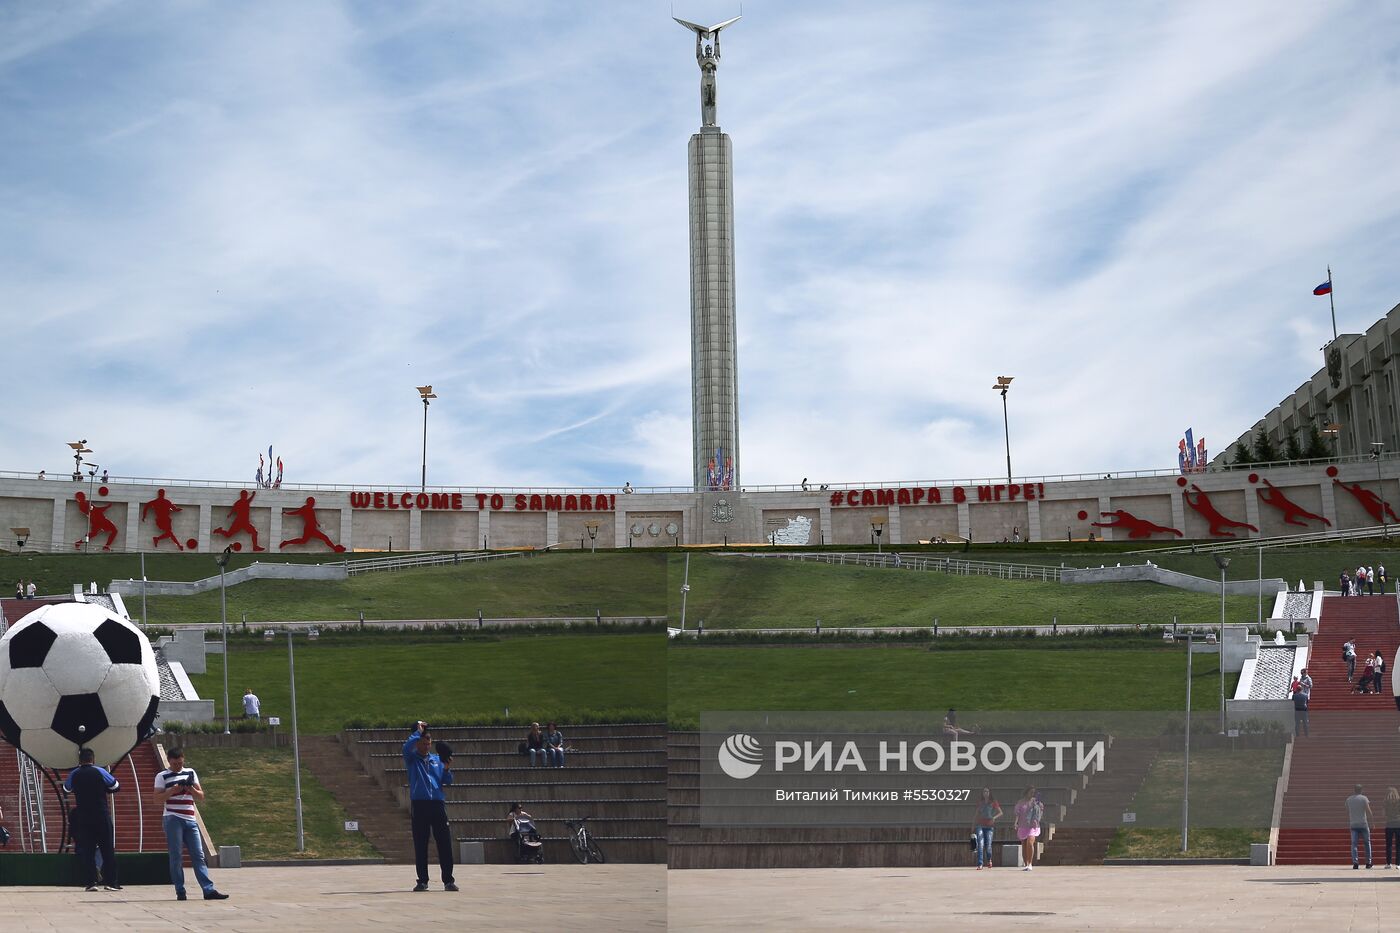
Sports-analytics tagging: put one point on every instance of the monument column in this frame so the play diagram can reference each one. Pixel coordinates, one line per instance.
(713, 352)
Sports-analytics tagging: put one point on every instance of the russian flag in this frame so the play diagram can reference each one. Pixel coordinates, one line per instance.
(1324, 289)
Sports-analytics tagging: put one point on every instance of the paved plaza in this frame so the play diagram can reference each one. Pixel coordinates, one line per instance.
(1051, 898)
(315, 898)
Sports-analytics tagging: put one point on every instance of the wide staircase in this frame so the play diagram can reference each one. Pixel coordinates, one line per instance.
(1353, 737)
(614, 774)
(705, 837)
(1089, 827)
(136, 813)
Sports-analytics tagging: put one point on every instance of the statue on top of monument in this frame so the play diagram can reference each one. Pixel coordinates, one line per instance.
(707, 57)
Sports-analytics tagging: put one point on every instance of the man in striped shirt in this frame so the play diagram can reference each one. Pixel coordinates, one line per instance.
(178, 788)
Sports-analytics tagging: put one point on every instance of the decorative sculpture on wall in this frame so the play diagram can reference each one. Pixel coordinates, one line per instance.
(98, 522)
(163, 509)
(310, 527)
(1273, 497)
(1371, 502)
(1136, 527)
(1199, 500)
(240, 520)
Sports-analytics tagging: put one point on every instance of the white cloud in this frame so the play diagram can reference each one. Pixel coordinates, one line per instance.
(233, 225)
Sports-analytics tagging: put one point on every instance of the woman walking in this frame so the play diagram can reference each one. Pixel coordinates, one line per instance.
(1392, 826)
(1029, 812)
(1377, 670)
(988, 812)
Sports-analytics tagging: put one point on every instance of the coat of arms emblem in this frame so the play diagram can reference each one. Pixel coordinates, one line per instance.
(722, 513)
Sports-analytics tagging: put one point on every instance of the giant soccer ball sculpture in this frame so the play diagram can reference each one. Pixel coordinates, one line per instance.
(76, 675)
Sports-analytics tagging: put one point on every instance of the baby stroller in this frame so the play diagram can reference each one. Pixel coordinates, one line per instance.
(528, 845)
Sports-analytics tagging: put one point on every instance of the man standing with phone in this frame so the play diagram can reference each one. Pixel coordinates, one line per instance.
(178, 788)
(428, 774)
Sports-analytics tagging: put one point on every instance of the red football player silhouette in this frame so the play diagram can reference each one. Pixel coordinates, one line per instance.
(239, 519)
(163, 509)
(1136, 527)
(1292, 511)
(98, 522)
(1199, 500)
(310, 527)
(1371, 502)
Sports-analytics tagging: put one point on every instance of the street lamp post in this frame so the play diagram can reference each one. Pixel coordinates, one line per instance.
(877, 528)
(1334, 430)
(1222, 563)
(1186, 769)
(685, 591)
(1377, 449)
(1002, 386)
(79, 448)
(426, 392)
(92, 481)
(296, 748)
(592, 536)
(222, 561)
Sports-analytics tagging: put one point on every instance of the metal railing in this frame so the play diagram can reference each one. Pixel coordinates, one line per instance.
(31, 788)
(897, 561)
(410, 561)
(65, 476)
(1280, 541)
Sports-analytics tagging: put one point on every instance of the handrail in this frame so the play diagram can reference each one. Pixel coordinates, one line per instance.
(898, 561)
(140, 809)
(371, 564)
(64, 476)
(33, 792)
(1279, 541)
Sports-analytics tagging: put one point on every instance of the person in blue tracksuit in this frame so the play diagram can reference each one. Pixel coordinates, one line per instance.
(428, 774)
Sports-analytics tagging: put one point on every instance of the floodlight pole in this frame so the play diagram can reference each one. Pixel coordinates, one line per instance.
(1186, 770)
(223, 625)
(685, 589)
(296, 749)
(1220, 643)
(143, 590)
(1378, 448)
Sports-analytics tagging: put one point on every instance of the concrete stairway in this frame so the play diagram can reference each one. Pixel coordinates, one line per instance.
(939, 838)
(1089, 827)
(1353, 737)
(614, 775)
(381, 820)
(136, 812)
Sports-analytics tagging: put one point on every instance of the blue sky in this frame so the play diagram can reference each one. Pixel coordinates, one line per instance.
(224, 225)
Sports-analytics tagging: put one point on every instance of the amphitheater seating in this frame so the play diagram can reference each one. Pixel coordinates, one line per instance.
(1352, 737)
(939, 839)
(614, 775)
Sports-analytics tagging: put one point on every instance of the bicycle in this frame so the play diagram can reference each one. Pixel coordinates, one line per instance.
(586, 848)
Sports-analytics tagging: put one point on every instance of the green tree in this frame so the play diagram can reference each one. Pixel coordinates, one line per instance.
(1242, 456)
(1292, 450)
(1264, 449)
(1316, 446)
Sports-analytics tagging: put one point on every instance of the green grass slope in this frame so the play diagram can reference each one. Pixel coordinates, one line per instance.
(408, 677)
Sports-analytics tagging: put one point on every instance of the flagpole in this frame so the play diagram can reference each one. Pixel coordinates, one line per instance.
(1331, 301)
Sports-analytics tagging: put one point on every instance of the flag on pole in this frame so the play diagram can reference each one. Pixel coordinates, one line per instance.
(1324, 289)
(278, 484)
(259, 476)
(1190, 449)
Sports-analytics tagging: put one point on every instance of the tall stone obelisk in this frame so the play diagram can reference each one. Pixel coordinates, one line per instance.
(713, 353)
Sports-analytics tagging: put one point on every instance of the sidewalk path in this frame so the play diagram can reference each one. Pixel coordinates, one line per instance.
(350, 898)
